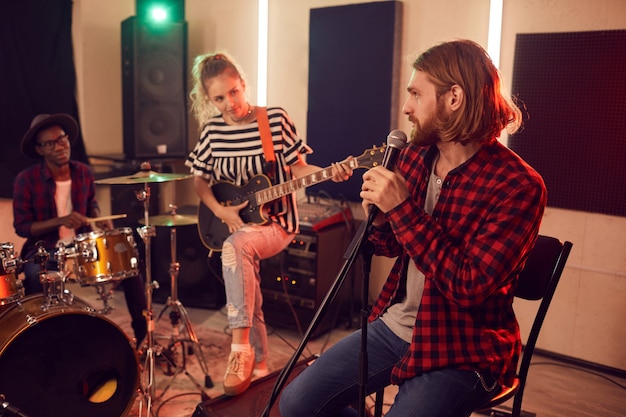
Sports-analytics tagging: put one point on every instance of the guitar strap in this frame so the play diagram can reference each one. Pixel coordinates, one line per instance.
(266, 140)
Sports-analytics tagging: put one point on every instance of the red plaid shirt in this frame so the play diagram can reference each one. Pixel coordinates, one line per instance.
(471, 250)
(33, 201)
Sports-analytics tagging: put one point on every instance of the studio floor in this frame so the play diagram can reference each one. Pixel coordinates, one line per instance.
(182, 379)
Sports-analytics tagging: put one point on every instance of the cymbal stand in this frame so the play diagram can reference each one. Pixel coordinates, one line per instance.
(148, 387)
(146, 232)
(179, 312)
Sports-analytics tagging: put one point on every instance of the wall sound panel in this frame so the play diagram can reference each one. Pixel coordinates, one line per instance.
(353, 72)
(573, 86)
(154, 92)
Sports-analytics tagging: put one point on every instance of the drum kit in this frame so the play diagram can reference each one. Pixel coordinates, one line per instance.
(38, 332)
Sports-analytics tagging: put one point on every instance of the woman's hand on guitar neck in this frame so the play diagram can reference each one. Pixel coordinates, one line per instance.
(341, 170)
(230, 216)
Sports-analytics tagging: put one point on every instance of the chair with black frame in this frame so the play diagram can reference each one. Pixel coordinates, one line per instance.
(537, 281)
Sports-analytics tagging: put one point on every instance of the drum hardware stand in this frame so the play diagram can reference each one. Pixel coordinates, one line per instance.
(100, 287)
(177, 312)
(148, 388)
(105, 295)
(54, 292)
(150, 349)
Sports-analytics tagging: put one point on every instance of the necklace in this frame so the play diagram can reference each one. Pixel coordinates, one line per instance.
(248, 113)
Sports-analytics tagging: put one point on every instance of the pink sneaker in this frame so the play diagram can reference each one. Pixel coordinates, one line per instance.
(238, 372)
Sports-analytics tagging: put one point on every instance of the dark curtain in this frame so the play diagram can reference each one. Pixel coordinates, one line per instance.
(37, 75)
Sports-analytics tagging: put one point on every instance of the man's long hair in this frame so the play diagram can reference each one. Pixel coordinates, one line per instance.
(485, 111)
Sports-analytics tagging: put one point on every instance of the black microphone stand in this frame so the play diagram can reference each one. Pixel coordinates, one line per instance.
(359, 245)
(367, 251)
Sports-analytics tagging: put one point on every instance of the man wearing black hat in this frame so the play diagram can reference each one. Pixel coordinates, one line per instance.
(52, 201)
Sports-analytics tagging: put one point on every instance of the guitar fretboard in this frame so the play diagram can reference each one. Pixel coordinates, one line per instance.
(276, 191)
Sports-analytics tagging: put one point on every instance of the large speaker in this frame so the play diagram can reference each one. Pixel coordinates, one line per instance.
(154, 72)
(298, 279)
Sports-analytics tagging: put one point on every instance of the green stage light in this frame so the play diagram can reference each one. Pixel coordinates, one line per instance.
(158, 14)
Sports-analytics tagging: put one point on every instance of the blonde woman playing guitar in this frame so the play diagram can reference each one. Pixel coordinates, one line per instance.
(230, 150)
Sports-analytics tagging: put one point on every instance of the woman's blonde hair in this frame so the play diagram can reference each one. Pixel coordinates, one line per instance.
(205, 67)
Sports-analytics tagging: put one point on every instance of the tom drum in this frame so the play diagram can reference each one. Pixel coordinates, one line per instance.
(104, 256)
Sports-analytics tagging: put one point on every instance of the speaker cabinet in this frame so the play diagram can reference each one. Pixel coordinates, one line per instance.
(154, 72)
(300, 277)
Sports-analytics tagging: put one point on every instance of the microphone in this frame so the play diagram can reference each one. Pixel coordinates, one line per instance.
(396, 141)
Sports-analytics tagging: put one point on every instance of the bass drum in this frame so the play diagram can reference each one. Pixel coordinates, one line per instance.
(66, 361)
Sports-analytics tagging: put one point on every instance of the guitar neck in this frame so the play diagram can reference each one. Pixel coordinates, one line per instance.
(277, 191)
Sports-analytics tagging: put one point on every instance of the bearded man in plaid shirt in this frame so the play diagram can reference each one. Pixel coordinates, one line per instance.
(461, 213)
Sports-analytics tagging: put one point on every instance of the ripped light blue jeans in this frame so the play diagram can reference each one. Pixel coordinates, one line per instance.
(241, 255)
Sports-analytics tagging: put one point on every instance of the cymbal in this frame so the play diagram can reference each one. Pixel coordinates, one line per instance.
(143, 177)
(172, 220)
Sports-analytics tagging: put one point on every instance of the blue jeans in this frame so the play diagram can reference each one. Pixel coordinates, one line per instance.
(241, 255)
(330, 385)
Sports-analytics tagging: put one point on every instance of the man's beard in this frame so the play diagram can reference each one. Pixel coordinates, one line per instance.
(426, 134)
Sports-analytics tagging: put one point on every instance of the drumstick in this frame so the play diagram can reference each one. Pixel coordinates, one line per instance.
(112, 217)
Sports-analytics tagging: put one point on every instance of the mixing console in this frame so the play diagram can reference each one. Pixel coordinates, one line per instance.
(317, 216)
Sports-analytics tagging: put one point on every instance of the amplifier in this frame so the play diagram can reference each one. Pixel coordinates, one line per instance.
(301, 275)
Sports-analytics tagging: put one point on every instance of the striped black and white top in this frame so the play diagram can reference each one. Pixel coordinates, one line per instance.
(235, 154)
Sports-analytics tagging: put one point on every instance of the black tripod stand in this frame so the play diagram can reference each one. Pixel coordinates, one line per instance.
(359, 245)
(180, 342)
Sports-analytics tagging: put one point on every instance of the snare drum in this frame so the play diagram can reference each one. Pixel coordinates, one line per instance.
(9, 289)
(105, 256)
(65, 361)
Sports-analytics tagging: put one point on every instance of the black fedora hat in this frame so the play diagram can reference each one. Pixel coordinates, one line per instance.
(41, 121)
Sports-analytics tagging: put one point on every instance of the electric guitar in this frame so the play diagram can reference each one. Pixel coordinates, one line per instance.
(259, 191)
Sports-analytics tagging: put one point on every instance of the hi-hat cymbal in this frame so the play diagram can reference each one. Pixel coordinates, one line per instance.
(143, 177)
(172, 220)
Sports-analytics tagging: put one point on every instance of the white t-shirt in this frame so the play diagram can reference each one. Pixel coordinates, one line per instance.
(63, 200)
